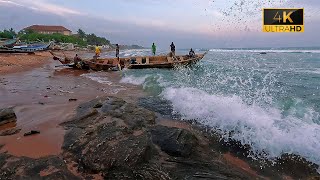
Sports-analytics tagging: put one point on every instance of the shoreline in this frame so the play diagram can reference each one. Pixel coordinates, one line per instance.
(43, 104)
(50, 93)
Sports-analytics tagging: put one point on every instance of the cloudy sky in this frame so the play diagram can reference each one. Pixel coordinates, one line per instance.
(189, 23)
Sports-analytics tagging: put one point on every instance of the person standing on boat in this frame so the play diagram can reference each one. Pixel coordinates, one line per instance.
(173, 49)
(117, 50)
(154, 49)
(98, 51)
(192, 54)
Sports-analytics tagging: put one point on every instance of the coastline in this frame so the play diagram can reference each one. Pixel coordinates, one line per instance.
(40, 97)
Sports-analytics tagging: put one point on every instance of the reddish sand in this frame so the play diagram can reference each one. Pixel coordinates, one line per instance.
(41, 102)
(10, 63)
(236, 162)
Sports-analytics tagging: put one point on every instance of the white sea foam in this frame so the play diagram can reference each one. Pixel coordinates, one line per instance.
(308, 71)
(98, 78)
(134, 80)
(266, 130)
(265, 50)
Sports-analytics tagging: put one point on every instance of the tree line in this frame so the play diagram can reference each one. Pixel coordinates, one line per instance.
(81, 38)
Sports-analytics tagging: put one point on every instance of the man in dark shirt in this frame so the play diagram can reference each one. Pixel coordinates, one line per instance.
(173, 49)
(117, 50)
(191, 53)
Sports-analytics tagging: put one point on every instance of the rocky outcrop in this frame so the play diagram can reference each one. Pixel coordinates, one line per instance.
(7, 115)
(9, 132)
(27, 168)
(113, 139)
(175, 142)
(121, 141)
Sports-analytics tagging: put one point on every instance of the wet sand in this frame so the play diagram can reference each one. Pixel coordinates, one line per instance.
(40, 98)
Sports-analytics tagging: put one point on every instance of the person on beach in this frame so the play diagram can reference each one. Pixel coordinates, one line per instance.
(154, 48)
(98, 51)
(117, 50)
(78, 61)
(173, 49)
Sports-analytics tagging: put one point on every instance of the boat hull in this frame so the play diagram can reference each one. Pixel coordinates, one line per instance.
(165, 65)
(146, 62)
(29, 50)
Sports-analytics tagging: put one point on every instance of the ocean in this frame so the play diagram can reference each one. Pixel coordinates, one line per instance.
(268, 101)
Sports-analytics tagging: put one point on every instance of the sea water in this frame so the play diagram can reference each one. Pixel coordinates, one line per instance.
(268, 101)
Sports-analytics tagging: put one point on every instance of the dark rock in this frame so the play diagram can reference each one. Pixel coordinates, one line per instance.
(148, 171)
(209, 168)
(54, 167)
(7, 115)
(9, 132)
(71, 137)
(296, 166)
(82, 120)
(161, 106)
(111, 104)
(110, 149)
(135, 117)
(32, 132)
(98, 105)
(174, 141)
(73, 99)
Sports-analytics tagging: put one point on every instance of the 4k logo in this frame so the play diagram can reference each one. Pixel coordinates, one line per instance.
(283, 20)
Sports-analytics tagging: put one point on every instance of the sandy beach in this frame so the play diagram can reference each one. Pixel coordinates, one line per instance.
(10, 63)
(76, 118)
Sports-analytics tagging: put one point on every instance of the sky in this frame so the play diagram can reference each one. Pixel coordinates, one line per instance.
(188, 23)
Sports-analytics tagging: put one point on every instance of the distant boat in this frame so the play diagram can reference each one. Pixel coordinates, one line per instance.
(33, 47)
(25, 49)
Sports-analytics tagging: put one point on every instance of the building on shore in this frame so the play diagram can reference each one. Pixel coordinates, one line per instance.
(42, 29)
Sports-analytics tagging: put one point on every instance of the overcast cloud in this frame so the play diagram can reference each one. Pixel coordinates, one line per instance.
(189, 23)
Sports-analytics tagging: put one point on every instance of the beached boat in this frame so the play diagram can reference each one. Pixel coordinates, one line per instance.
(8, 43)
(166, 62)
(143, 62)
(26, 49)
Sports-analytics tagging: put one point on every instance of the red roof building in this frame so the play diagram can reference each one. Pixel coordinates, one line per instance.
(49, 29)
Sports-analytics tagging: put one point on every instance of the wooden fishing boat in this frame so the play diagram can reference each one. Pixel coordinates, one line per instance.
(143, 62)
(166, 62)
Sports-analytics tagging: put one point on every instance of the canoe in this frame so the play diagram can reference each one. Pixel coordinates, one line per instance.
(27, 49)
(166, 62)
(143, 62)
(34, 47)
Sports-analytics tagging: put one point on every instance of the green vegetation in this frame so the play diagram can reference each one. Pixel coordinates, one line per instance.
(81, 38)
(8, 34)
